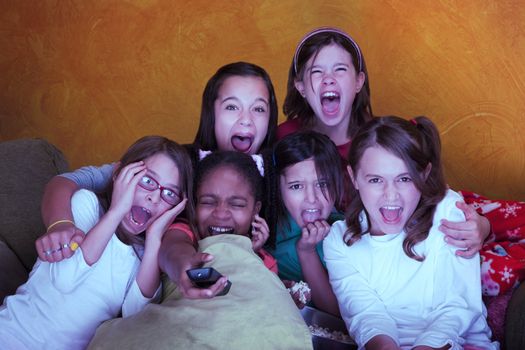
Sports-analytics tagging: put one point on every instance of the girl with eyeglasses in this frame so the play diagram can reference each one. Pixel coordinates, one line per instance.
(115, 268)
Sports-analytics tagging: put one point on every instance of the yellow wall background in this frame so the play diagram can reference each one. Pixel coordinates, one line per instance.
(93, 76)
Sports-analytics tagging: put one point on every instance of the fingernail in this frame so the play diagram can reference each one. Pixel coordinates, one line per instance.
(73, 246)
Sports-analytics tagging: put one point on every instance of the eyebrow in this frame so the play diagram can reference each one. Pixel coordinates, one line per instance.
(238, 198)
(237, 99)
(213, 196)
(206, 195)
(169, 185)
(376, 175)
(294, 182)
(321, 65)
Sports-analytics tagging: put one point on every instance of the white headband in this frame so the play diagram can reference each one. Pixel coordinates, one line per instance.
(256, 158)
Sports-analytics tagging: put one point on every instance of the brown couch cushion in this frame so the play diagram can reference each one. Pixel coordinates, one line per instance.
(26, 165)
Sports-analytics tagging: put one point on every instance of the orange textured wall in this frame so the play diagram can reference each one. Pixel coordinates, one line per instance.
(93, 76)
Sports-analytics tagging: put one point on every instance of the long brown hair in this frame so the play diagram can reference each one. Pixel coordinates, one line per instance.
(417, 143)
(146, 147)
(205, 137)
(296, 148)
(296, 107)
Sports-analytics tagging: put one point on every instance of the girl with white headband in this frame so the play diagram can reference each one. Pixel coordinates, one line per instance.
(328, 92)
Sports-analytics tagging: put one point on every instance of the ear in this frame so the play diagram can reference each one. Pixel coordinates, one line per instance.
(427, 171)
(351, 173)
(299, 86)
(360, 81)
(257, 207)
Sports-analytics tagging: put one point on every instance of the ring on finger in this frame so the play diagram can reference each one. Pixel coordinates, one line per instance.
(48, 252)
(64, 246)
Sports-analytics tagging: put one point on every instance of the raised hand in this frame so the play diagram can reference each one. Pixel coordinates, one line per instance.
(124, 186)
(311, 234)
(158, 227)
(260, 232)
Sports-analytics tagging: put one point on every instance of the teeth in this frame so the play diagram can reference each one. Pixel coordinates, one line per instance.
(220, 229)
(391, 208)
(311, 210)
(135, 221)
(330, 94)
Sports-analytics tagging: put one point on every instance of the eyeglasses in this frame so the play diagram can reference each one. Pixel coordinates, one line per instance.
(168, 195)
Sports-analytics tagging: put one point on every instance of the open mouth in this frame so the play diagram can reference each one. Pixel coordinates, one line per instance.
(241, 143)
(391, 214)
(330, 101)
(140, 215)
(219, 230)
(311, 215)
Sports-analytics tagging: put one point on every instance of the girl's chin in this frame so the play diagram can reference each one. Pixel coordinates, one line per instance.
(388, 228)
(392, 229)
(129, 227)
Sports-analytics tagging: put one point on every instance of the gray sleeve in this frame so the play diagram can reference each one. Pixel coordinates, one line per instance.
(92, 178)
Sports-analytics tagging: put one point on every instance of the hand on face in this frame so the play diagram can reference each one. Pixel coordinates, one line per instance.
(304, 195)
(225, 203)
(312, 234)
(124, 187)
(144, 192)
(158, 227)
(260, 232)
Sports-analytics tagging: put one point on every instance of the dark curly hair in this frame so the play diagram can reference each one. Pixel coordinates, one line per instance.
(242, 163)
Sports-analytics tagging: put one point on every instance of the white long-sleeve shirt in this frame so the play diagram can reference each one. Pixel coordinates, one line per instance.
(381, 290)
(63, 303)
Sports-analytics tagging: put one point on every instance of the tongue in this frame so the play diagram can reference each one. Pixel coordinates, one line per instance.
(390, 215)
(310, 216)
(139, 215)
(330, 105)
(241, 144)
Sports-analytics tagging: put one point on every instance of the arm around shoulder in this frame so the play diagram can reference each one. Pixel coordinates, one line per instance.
(58, 217)
(56, 203)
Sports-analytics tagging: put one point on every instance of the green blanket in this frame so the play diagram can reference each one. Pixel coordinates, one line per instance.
(257, 313)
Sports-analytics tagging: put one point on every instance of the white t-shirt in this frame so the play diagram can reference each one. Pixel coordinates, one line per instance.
(381, 290)
(63, 303)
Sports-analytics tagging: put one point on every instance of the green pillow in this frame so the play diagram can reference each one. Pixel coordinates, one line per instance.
(257, 313)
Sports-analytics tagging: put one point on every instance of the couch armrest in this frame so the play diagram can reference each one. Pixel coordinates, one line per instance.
(26, 165)
(12, 272)
(515, 320)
